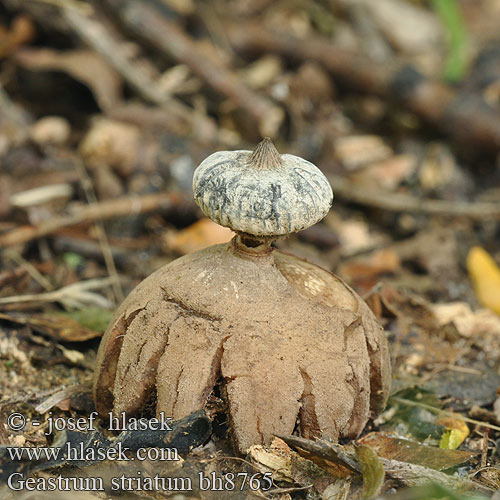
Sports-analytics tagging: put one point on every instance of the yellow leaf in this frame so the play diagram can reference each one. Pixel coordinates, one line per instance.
(485, 275)
(201, 234)
(455, 433)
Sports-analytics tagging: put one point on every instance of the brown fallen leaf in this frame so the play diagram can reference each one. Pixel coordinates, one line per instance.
(364, 272)
(398, 21)
(58, 327)
(330, 457)
(21, 31)
(405, 450)
(201, 234)
(357, 151)
(112, 143)
(336, 459)
(418, 475)
(355, 235)
(276, 459)
(468, 323)
(289, 466)
(388, 173)
(85, 66)
(51, 130)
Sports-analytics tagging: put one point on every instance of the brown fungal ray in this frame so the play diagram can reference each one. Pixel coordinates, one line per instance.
(138, 360)
(107, 359)
(264, 386)
(188, 369)
(311, 280)
(291, 341)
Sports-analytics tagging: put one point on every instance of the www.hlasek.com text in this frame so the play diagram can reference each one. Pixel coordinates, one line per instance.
(80, 453)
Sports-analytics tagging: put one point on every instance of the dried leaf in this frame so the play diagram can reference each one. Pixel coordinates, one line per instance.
(388, 173)
(364, 272)
(201, 234)
(333, 458)
(417, 475)
(485, 275)
(410, 28)
(112, 143)
(51, 130)
(274, 460)
(467, 322)
(355, 235)
(406, 450)
(287, 465)
(22, 31)
(372, 470)
(55, 326)
(85, 66)
(262, 72)
(357, 151)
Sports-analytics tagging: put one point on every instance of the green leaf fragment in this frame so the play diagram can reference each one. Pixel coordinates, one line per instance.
(73, 260)
(372, 470)
(95, 318)
(451, 16)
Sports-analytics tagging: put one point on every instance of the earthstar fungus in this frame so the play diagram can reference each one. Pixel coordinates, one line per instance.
(292, 347)
(261, 193)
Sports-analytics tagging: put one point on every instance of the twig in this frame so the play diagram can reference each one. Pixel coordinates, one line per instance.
(118, 207)
(438, 411)
(484, 448)
(397, 202)
(77, 5)
(77, 295)
(88, 188)
(30, 269)
(59, 396)
(95, 34)
(417, 475)
(14, 116)
(145, 20)
(467, 118)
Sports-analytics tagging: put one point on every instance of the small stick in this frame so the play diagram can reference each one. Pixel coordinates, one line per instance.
(76, 295)
(30, 269)
(397, 202)
(88, 188)
(95, 34)
(439, 411)
(118, 207)
(484, 450)
(59, 396)
(149, 23)
(467, 118)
